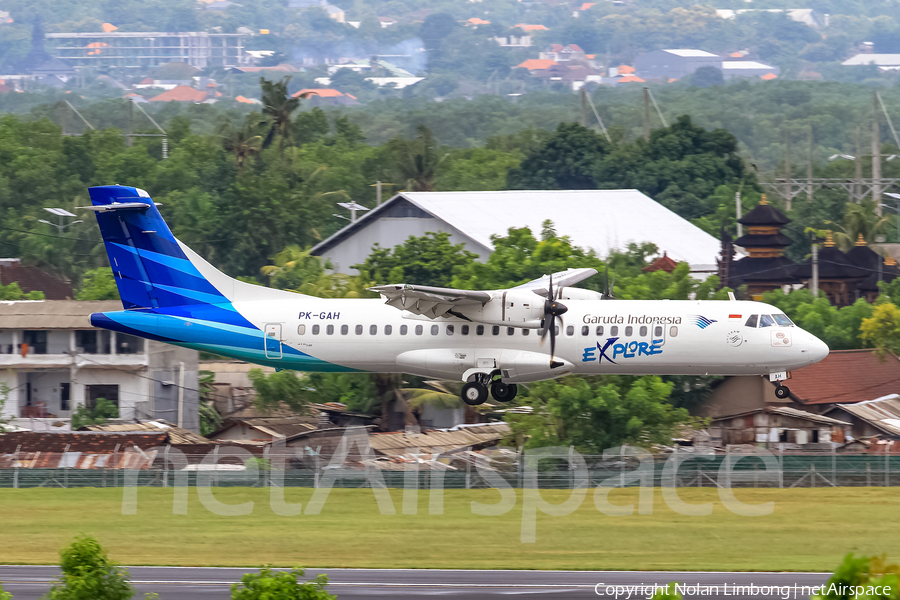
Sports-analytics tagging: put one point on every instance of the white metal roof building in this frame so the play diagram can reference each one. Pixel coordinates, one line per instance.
(882, 61)
(674, 63)
(602, 220)
(747, 68)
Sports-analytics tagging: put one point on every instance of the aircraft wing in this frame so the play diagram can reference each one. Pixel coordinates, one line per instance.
(430, 301)
(560, 280)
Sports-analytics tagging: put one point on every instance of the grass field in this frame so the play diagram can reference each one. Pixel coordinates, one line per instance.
(810, 529)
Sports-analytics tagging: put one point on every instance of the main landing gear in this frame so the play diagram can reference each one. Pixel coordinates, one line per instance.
(476, 392)
(782, 391)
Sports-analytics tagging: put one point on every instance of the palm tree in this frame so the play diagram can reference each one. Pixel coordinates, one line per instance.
(859, 219)
(416, 161)
(243, 142)
(278, 106)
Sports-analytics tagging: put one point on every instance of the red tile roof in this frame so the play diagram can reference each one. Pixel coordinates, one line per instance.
(32, 279)
(630, 79)
(182, 93)
(846, 376)
(663, 263)
(769, 76)
(626, 69)
(533, 64)
(525, 27)
(320, 92)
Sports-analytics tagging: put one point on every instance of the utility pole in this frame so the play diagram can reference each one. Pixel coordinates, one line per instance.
(787, 167)
(646, 115)
(737, 211)
(857, 188)
(876, 156)
(377, 193)
(815, 270)
(129, 140)
(809, 168)
(583, 108)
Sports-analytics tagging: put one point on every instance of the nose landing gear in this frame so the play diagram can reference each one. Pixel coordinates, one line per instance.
(782, 391)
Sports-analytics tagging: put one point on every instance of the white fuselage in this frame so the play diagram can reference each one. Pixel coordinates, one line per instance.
(633, 337)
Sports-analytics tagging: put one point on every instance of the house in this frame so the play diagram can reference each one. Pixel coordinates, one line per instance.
(674, 63)
(175, 435)
(54, 361)
(386, 21)
(536, 64)
(475, 22)
(514, 41)
(845, 378)
(778, 425)
(265, 429)
(884, 62)
(79, 450)
(560, 53)
(871, 418)
(747, 68)
(327, 97)
(333, 11)
(32, 279)
(184, 93)
(525, 27)
(602, 220)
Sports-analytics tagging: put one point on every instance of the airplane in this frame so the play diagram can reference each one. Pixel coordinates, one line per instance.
(492, 340)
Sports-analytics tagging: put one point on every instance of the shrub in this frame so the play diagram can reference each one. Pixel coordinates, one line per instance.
(860, 577)
(280, 585)
(88, 574)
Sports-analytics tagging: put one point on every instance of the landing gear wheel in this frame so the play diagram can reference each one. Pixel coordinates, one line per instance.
(782, 391)
(504, 392)
(474, 393)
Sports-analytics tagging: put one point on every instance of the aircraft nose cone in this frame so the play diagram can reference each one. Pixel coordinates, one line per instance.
(818, 349)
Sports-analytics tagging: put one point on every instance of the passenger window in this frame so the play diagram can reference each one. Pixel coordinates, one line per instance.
(464, 330)
(766, 321)
(435, 329)
(526, 331)
(359, 329)
(629, 330)
(373, 329)
(614, 331)
(783, 321)
(585, 330)
(657, 331)
(345, 329)
(449, 329)
(388, 329)
(419, 329)
(301, 330)
(510, 330)
(315, 330)
(556, 330)
(479, 330)
(599, 329)
(673, 331)
(570, 330)
(751, 321)
(403, 329)
(495, 330)
(329, 330)
(643, 331)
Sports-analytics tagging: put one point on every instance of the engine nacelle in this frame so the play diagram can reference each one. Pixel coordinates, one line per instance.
(511, 308)
(571, 293)
(518, 366)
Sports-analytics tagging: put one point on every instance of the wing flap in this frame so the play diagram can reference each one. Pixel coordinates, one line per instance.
(432, 302)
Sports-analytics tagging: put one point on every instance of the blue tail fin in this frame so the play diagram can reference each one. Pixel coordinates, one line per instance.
(150, 266)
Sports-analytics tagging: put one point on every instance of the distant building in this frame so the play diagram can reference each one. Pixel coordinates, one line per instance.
(54, 361)
(32, 279)
(674, 64)
(747, 68)
(560, 53)
(807, 16)
(884, 62)
(327, 97)
(603, 220)
(184, 93)
(879, 417)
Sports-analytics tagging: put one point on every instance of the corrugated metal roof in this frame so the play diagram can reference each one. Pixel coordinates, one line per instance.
(437, 440)
(603, 220)
(52, 314)
(802, 414)
(883, 413)
(691, 53)
(91, 442)
(129, 458)
(176, 435)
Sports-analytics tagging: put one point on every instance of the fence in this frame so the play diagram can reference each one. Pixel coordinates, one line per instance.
(466, 470)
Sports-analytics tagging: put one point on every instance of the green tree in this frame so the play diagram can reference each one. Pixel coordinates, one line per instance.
(707, 76)
(4, 595)
(14, 292)
(867, 572)
(210, 419)
(416, 161)
(103, 411)
(279, 388)
(98, 284)
(427, 260)
(4, 418)
(565, 161)
(595, 413)
(241, 142)
(278, 108)
(882, 329)
(89, 574)
(269, 584)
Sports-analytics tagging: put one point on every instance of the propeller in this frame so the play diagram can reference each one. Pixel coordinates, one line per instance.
(552, 310)
(607, 294)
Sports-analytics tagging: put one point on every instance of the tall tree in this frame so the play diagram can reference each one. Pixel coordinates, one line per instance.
(243, 141)
(278, 108)
(416, 161)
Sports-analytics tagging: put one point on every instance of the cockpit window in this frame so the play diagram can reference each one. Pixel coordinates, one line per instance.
(766, 321)
(751, 320)
(782, 320)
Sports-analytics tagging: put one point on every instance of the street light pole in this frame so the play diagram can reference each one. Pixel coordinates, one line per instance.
(62, 214)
